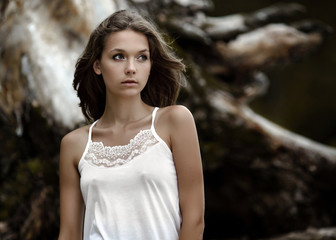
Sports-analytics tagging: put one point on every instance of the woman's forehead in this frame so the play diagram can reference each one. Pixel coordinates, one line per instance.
(127, 40)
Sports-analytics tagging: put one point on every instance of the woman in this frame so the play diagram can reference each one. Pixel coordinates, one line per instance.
(136, 172)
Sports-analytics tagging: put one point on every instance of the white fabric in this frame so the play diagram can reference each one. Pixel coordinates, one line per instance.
(135, 198)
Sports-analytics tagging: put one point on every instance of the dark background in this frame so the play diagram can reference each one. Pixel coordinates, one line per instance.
(301, 96)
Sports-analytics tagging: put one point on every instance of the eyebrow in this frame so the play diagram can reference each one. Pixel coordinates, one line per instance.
(122, 50)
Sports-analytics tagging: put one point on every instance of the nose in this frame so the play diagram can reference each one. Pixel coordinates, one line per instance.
(130, 67)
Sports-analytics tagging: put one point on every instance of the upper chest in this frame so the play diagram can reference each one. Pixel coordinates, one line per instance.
(119, 136)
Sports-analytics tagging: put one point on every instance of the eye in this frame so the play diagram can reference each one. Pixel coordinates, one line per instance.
(118, 56)
(142, 57)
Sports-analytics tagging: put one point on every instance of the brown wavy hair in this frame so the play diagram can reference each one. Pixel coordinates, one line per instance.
(167, 71)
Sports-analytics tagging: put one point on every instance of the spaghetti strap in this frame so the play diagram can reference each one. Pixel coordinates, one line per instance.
(80, 164)
(90, 130)
(153, 116)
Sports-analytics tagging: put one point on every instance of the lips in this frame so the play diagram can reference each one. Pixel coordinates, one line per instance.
(129, 81)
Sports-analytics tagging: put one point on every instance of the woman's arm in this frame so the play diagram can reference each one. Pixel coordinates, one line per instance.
(187, 158)
(71, 201)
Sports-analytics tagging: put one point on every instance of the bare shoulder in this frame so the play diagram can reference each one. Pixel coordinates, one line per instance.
(76, 135)
(73, 144)
(176, 115)
(171, 120)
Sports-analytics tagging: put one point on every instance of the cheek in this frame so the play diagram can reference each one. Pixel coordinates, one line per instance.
(148, 70)
(149, 67)
(112, 69)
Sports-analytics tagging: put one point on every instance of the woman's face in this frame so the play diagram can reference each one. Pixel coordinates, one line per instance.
(125, 63)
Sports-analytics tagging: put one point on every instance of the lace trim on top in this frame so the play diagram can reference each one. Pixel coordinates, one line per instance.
(107, 156)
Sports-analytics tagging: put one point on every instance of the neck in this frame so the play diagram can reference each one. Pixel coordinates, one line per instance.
(119, 112)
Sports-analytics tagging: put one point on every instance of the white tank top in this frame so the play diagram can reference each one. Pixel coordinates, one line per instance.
(130, 191)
